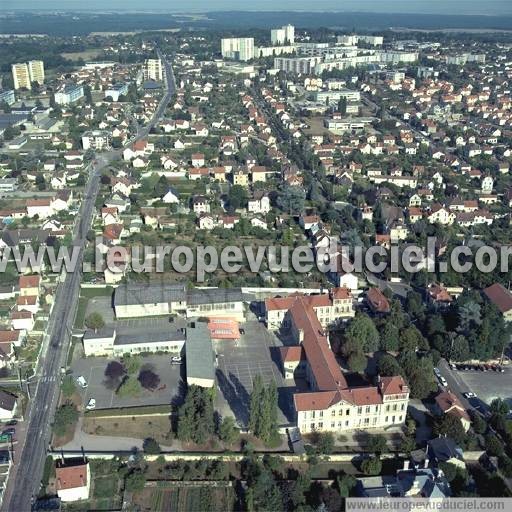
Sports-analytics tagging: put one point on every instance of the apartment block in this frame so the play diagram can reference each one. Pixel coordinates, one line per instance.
(36, 71)
(69, 94)
(283, 35)
(21, 76)
(153, 70)
(238, 48)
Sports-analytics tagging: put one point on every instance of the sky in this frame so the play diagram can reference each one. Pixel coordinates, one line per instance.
(480, 7)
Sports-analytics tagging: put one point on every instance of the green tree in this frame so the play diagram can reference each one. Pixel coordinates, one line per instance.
(151, 447)
(371, 466)
(95, 321)
(195, 416)
(228, 431)
(68, 386)
(65, 416)
(450, 426)
(389, 337)
(135, 481)
(493, 446)
(356, 362)
(363, 333)
(388, 366)
(376, 444)
(263, 411)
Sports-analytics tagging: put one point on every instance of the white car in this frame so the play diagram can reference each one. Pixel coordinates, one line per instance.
(176, 360)
(469, 394)
(81, 381)
(443, 382)
(91, 404)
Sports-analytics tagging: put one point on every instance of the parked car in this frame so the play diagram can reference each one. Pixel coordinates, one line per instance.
(437, 372)
(91, 404)
(176, 360)
(453, 366)
(443, 382)
(469, 394)
(241, 331)
(9, 431)
(81, 381)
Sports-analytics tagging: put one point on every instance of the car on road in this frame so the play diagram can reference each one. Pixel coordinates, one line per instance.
(176, 359)
(453, 366)
(81, 381)
(91, 404)
(468, 395)
(443, 382)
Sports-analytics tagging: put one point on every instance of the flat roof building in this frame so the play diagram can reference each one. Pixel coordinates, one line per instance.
(199, 356)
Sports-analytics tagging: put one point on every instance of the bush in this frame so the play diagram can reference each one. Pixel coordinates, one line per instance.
(372, 466)
(324, 442)
(65, 416)
(95, 321)
(151, 447)
(68, 386)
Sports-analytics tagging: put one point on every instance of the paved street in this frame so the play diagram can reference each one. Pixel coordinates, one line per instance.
(26, 475)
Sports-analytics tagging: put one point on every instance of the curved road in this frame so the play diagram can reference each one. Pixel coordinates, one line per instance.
(24, 481)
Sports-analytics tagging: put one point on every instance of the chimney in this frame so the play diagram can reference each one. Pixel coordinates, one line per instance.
(425, 465)
(406, 464)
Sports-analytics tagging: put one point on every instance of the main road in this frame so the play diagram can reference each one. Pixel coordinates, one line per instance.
(25, 478)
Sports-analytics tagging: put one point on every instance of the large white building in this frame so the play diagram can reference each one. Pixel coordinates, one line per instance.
(330, 404)
(108, 342)
(283, 35)
(238, 48)
(135, 300)
(20, 76)
(96, 139)
(36, 71)
(69, 94)
(153, 70)
(24, 73)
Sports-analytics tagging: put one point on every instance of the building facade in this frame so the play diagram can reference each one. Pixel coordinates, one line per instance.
(238, 48)
(21, 76)
(153, 70)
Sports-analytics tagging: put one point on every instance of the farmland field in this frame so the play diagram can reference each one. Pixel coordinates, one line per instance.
(180, 498)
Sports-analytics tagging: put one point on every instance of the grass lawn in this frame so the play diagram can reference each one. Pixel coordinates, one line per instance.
(105, 486)
(80, 312)
(138, 427)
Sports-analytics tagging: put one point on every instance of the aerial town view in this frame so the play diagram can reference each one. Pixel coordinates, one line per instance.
(255, 258)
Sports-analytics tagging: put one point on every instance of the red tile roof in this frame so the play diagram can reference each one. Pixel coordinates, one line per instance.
(289, 354)
(29, 281)
(71, 477)
(499, 296)
(378, 301)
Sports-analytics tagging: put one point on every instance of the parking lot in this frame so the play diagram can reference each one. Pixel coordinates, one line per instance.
(238, 363)
(93, 370)
(487, 385)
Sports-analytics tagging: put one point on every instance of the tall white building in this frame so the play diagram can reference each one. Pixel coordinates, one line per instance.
(36, 71)
(20, 75)
(283, 35)
(24, 73)
(238, 48)
(153, 70)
